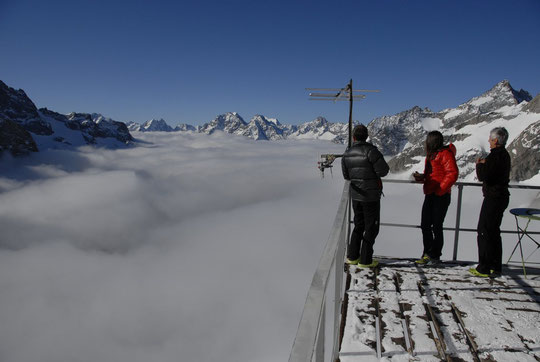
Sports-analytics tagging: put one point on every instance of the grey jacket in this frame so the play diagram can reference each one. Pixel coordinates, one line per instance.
(364, 165)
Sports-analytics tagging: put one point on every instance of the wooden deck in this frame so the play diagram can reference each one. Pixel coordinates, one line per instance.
(401, 312)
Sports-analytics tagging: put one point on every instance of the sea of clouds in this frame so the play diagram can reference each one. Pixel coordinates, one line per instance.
(187, 247)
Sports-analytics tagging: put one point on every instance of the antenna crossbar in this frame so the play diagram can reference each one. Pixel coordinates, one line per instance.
(342, 94)
(342, 89)
(334, 99)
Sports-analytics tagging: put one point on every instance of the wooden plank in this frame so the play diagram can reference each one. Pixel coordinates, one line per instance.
(360, 337)
(472, 319)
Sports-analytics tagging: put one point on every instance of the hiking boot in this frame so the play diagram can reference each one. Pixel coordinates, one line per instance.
(372, 265)
(352, 262)
(433, 262)
(424, 260)
(476, 273)
(495, 274)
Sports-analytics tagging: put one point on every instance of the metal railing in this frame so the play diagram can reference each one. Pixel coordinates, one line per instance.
(310, 337)
(309, 343)
(457, 228)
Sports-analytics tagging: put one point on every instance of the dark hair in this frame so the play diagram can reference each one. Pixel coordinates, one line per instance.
(434, 142)
(360, 133)
(500, 134)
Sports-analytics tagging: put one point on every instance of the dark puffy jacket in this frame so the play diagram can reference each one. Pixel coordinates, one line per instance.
(441, 171)
(495, 173)
(364, 166)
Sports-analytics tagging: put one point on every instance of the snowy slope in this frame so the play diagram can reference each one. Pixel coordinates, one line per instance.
(468, 127)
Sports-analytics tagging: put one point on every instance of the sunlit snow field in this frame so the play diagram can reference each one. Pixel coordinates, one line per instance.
(186, 248)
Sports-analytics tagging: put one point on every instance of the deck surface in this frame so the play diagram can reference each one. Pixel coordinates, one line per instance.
(401, 312)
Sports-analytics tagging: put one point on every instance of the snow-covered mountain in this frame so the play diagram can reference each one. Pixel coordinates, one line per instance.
(264, 128)
(153, 125)
(467, 126)
(401, 136)
(24, 128)
(158, 125)
(230, 122)
(185, 128)
(320, 128)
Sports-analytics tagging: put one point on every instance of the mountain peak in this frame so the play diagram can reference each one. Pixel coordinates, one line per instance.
(504, 89)
(230, 122)
(155, 125)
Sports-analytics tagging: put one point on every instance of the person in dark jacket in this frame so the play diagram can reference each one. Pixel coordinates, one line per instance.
(364, 166)
(494, 172)
(440, 173)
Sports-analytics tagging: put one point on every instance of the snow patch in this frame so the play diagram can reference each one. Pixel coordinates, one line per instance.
(431, 124)
(481, 100)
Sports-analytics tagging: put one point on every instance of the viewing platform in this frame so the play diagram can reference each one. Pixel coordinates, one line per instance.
(402, 312)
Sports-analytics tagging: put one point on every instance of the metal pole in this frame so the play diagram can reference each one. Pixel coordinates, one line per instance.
(319, 352)
(349, 222)
(338, 289)
(350, 88)
(458, 218)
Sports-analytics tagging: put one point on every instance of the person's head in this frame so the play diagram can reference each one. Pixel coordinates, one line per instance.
(360, 133)
(498, 137)
(434, 142)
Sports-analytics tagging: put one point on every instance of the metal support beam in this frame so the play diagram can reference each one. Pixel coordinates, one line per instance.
(350, 88)
(458, 220)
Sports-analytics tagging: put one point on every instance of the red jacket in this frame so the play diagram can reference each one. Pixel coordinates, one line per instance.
(441, 171)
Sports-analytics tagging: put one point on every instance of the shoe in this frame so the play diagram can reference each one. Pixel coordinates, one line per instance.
(433, 262)
(495, 274)
(352, 262)
(424, 260)
(372, 265)
(476, 273)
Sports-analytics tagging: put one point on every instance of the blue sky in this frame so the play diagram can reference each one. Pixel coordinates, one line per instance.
(187, 62)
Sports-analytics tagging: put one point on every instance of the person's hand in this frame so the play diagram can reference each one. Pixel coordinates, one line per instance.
(418, 176)
(481, 160)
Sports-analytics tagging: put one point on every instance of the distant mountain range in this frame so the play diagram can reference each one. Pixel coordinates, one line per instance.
(24, 128)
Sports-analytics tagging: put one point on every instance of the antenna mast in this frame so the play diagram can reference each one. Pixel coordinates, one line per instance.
(343, 94)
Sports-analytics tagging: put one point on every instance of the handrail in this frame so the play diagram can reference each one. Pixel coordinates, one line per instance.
(462, 184)
(457, 227)
(307, 335)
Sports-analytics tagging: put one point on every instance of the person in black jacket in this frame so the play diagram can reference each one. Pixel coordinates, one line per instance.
(494, 172)
(364, 166)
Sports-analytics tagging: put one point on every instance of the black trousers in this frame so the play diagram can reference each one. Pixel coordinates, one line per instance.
(433, 213)
(366, 229)
(489, 234)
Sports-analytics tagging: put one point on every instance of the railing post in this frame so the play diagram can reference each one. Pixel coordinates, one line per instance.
(319, 352)
(338, 284)
(349, 221)
(458, 218)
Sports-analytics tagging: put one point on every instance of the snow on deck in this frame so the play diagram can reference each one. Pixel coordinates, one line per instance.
(440, 313)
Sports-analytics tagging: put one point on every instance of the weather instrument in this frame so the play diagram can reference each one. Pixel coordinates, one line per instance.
(326, 162)
(346, 93)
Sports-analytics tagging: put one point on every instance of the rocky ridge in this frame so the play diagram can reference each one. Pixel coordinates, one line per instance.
(24, 128)
(467, 126)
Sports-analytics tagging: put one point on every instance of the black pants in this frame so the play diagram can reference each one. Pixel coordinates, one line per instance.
(489, 234)
(366, 229)
(433, 214)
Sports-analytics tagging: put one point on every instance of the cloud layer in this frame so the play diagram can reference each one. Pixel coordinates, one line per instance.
(189, 247)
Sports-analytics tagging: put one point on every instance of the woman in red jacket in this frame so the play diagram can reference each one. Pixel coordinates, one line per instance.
(440, 173)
